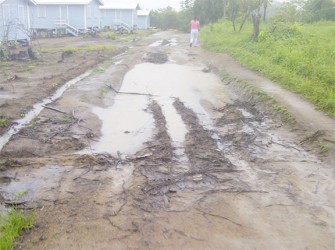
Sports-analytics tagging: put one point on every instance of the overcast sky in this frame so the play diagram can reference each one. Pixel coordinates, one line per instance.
(149, 4)
(159, 4)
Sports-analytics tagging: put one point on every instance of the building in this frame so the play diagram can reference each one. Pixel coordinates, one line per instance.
(73, 16)
(14, 20)
(143, 19)
(19, 19)
(118, 15)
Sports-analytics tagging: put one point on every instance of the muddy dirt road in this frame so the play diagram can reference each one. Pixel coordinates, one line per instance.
(154, 150)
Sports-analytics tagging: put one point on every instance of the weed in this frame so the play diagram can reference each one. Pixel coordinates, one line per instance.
(111, 35)
(34, 123)
(4, 122)
(284, 113)
(21, 193)
(325, 148)
(99, 69)
(12, 224)
(25, 68)
(262, 96)
(102, 67)
(103, 91)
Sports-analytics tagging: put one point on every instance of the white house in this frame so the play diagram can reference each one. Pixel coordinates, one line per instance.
(14, 19)
(116, 14)
(18, 18)
(74, 15)
(143, 19)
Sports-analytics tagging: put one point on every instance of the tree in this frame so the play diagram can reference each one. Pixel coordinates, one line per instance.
(290, 12)
(165, 18)
(315, 10)
(208, 11)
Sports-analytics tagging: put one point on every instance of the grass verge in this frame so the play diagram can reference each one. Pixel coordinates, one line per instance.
(300, 58)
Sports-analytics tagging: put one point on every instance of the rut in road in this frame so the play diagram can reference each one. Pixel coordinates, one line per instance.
(207, 168)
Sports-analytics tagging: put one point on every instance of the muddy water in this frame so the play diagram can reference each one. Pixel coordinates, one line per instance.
(32, 184)
(128, 124)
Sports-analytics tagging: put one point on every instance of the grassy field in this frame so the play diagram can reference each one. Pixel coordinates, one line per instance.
(299, 57)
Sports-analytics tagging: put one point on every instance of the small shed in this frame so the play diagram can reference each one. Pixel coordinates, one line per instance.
(14, 20)
(116, 15)
(75, 16)
(143, 19)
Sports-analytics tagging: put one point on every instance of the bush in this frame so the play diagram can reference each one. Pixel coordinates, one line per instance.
(111, 35)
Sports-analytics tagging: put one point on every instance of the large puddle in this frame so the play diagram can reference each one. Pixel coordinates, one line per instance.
(128, 123)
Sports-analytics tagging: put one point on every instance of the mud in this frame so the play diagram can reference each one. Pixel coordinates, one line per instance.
(162, 154)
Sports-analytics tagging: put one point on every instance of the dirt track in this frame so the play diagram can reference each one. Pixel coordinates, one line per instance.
(239, 179)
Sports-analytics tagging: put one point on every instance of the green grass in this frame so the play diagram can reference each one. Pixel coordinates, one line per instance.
(282, 111)
(91, 47)
(299, 57)
(11, 225)
(4, 122)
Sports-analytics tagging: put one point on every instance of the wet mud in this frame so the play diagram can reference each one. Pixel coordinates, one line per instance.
(162, 154)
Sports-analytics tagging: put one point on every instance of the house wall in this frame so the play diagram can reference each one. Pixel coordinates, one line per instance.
(112, 17)
(44, 16)
(78, 16)
(14, 24)
(92, 14)
(143, 22)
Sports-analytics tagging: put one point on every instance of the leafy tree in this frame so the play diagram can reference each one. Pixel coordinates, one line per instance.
(316, 10)
(165, 18)
(208, 11)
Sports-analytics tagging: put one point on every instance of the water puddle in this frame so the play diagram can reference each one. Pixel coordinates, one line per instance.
(127, 124)
(245, 113)
(171, 42)
(37, 108)
(31, 184)
(8, 96)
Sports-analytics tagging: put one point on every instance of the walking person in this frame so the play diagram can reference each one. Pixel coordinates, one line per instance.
(195, 28)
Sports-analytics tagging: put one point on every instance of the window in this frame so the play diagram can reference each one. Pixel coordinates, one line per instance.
(41, 11)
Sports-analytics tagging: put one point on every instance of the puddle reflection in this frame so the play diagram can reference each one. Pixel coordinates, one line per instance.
(127, 124)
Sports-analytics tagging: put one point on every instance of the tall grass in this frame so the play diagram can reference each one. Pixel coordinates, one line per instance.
(11, 225)
(299, 57)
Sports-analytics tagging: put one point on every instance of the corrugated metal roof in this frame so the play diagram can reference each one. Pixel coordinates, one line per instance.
(69, 2)
(143, 12)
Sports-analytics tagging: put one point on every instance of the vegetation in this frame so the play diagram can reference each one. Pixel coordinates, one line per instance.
(295, 47)
(11, 225)
(300, 57)
(4, 122)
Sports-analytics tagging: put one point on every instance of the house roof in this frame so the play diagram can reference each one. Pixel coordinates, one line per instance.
(143, 12)
(69, 2)
(32, 1)
(119, 5)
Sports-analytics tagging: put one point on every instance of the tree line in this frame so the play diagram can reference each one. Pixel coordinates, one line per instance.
(238, 12)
